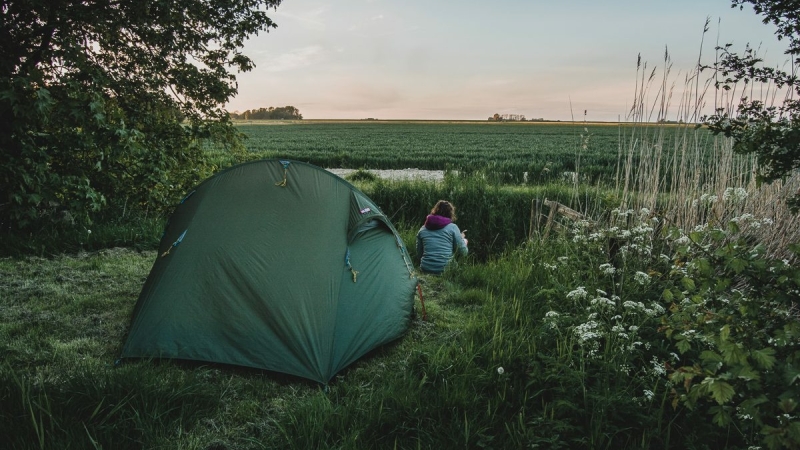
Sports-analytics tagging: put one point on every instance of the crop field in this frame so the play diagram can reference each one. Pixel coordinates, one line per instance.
(542, 150)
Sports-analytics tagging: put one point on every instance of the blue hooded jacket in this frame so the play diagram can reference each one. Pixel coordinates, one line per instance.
(437, 242)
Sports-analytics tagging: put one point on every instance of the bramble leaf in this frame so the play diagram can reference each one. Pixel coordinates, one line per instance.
(737, 265)
(721, 416)
(764, 358)
(721, 391)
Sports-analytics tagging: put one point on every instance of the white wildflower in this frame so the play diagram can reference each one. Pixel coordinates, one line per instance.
(587, 331)
(607, 269)
(744, 218)
(602, 301)
(551, 314)
(734, 195)
(648, 394)
(708, 199)
(577, 294)
(658, 368)
(641, 278)
(500, 370)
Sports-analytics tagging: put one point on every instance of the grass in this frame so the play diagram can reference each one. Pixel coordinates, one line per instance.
(499, 363)
(63, 322)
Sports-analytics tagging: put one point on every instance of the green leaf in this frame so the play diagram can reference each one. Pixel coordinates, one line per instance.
(764, 358)
(792, 374)
(746, 372)
(709, 356)
(667, 295)
(688, 283)
(721, 391)
(711, 361)
(683, 346)
(787, 405)
(725, 332)
(703, 266)
(733, 353)
(793, 430)
(737, 265)
(721, 416)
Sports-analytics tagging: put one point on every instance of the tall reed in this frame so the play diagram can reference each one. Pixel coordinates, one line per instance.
(669, 163)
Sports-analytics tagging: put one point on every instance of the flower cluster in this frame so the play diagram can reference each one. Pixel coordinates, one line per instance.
(734, 195)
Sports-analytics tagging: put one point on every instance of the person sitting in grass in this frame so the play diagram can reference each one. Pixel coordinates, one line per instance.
(440, 239)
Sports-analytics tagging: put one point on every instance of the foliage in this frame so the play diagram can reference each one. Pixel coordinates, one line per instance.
(496, 217)
(734, 319)
(271, 113)
(96, 95)
(769, 131)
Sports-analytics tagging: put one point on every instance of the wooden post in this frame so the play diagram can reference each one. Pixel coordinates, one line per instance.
(534, 221)
(554, 206)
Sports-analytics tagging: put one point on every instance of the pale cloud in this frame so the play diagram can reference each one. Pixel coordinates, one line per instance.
(312, 20)
(294, 59)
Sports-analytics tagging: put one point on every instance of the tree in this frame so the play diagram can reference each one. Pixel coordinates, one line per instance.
(106, 103)
(772, 132)
(271, 113)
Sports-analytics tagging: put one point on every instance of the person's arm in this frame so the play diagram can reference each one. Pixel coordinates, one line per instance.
(459, 241)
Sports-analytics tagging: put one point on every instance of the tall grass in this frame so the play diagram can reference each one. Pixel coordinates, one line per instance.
(682, 172)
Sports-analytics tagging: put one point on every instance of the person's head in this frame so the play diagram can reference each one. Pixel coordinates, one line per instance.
(445, 209)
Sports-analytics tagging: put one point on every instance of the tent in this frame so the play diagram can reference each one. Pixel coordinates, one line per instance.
(277, 265)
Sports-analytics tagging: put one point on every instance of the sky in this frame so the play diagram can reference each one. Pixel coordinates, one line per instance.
(467, 60)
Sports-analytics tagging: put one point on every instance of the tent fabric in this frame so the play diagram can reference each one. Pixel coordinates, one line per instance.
(278, 265)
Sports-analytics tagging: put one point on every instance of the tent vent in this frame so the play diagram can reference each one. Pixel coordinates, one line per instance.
(349, 266)
(175, 244)
(285, 164)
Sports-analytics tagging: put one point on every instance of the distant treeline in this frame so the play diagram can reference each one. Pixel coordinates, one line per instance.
(271, 113)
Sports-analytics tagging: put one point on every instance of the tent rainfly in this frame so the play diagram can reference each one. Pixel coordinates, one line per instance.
(277, 265)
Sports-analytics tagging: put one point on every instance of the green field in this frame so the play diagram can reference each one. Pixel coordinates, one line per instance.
(544, 150)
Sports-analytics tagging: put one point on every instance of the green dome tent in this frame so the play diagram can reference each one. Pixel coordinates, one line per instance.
(278, 265)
